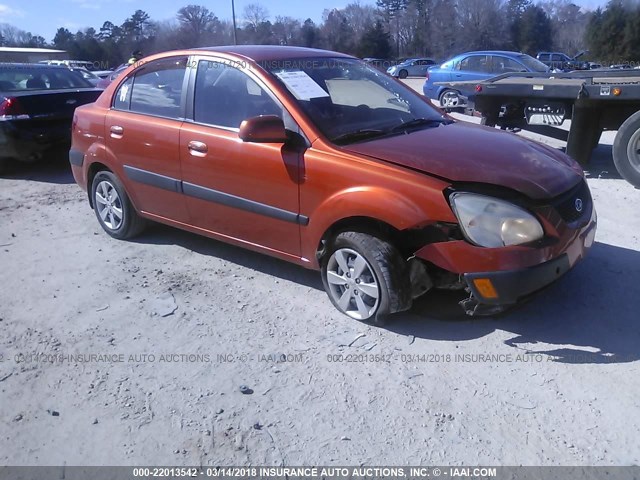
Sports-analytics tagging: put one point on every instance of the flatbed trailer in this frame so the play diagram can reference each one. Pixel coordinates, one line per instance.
(594, 101)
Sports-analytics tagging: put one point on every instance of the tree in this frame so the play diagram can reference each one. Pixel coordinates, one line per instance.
(37, 41)
(63, 39)
(391, 12)
(310, 34)
(569, 24)
(444, 29)
(286, 31)
(255, 14)
(197, 24)
(480, 25)
(338, 33)
(514, 11)
(534, 30)
(375, 42)
(606, 32)
(137, 27)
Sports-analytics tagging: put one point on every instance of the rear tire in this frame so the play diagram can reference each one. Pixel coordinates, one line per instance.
(449, 99)
(626, 150)
(112, 206)
(366, 278)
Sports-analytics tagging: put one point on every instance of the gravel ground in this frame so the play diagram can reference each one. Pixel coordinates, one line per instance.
(189, 351)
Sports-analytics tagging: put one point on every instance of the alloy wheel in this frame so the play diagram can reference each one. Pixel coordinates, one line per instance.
(353, 284)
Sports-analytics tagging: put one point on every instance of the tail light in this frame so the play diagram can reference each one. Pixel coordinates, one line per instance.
(427, 76)
(11, 109)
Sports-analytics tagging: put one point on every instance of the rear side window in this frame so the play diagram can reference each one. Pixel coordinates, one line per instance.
(475, 63)
(155, 89)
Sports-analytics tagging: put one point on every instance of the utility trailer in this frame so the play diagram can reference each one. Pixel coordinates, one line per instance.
(594, 101)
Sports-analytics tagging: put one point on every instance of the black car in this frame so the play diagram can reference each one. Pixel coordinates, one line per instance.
(563, 62)
(36, 109)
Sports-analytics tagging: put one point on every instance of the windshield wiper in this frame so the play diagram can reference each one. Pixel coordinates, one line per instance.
(356, 135)
(418, 122)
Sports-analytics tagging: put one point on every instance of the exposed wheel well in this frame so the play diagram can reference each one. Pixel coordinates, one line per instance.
(93, 170)
(406, 241)
(368, 225)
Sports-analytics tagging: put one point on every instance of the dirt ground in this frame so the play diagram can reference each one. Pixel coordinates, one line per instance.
(136, 352)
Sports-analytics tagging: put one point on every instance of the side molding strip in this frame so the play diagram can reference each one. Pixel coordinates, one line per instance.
(153, 179)
(233, 201)
(210, 195)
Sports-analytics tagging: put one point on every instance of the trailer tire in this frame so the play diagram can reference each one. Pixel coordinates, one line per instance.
(626, 150)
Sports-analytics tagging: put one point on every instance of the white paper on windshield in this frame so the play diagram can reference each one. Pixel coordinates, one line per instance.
(302, 85)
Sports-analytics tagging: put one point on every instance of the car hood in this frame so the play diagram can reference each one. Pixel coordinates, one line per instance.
(463, 152)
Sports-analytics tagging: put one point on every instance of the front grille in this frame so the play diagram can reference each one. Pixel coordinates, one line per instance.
(575, 204)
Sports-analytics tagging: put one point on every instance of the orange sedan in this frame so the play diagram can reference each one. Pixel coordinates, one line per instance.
(316, 158)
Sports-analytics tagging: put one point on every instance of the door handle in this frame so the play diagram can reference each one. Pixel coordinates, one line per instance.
(116, 131)
(199, 149)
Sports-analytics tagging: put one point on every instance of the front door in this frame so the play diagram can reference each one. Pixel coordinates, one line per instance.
(245, 191)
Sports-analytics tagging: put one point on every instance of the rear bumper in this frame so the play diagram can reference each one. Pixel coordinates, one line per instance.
(26, 143)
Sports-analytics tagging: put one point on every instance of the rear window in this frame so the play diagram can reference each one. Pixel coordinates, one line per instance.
(39, 78)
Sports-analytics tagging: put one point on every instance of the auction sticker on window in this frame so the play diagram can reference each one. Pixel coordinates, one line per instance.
(302, 85)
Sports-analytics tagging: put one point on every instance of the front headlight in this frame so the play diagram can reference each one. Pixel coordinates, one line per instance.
(390, 70)
(490, 222)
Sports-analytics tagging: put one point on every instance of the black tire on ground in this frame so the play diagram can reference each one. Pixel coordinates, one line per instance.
(626, 150)
(488, 121)
(403, 73)
(388, 266)
(442, 95)
(130, 224)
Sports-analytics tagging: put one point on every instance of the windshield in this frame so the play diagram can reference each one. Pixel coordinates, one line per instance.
(533, 64)
(349, 101)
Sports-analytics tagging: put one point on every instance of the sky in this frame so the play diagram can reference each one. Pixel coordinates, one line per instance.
(44, 17)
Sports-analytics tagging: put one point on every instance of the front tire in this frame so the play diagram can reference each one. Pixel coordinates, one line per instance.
(626, 150)
(403, 74)
(366, 278)
(113, 209)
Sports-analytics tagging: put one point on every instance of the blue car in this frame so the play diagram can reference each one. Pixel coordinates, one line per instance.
(475, 66)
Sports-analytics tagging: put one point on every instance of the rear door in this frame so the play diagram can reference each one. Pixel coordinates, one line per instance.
(143, 133)
(473, 67)
(239, 190)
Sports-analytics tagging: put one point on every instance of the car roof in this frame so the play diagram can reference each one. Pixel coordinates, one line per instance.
(260, 53)
(506, 53)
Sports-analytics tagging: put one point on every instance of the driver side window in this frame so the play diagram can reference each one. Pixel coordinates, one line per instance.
(225, 96)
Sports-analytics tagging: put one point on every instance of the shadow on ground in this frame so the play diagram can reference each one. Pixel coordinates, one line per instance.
(54, 169)
(163, 235)
(601, 164)
(589, 316)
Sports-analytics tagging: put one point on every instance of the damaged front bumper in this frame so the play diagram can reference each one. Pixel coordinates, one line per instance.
(499, 278)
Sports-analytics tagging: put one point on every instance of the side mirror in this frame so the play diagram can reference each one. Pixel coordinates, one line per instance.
(263, 129)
